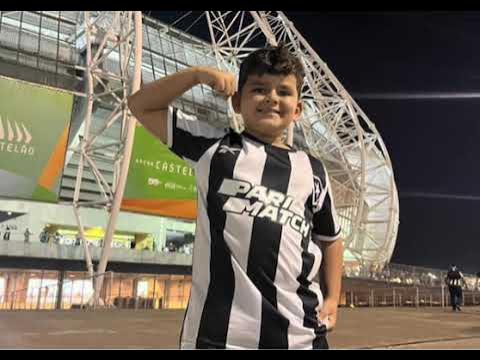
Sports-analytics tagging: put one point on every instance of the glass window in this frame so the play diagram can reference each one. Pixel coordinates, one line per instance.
(190, 57)
(142, 289)
(44, 292)
(77, 291)
(2, 288)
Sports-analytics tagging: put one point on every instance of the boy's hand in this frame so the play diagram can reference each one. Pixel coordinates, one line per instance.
(328, 314)
(221, 82)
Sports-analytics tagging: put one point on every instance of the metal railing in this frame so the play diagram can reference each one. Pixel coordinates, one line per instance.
(398, 274)
(404, 285)
(406, 297)
(59, 295)
(53, 250)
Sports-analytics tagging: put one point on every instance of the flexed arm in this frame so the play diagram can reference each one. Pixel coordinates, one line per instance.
(150, 104)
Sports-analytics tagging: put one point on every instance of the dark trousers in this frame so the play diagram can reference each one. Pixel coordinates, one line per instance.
(455, 296)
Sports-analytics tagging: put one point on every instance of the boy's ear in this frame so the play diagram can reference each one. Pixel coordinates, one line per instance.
(298, 111)
(236, 102)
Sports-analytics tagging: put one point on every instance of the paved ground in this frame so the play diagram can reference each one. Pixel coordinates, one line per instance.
(405, 328)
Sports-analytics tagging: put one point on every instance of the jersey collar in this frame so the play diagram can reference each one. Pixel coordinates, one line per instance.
(254, 138)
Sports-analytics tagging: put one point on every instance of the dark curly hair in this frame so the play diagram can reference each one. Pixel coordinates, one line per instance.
(272, 60)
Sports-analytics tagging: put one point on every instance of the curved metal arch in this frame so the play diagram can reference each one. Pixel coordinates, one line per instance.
(347, 140)
(334, 128)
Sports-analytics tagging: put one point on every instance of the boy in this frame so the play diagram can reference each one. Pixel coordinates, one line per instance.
(265, 211)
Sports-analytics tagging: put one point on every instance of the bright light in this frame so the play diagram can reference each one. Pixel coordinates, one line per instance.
(2, 287)
(142, 289)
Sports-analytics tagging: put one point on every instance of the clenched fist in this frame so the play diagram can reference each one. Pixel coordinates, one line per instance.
(328, 313)
(222, 82)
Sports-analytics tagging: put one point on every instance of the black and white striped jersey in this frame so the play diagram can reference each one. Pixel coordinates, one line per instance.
(262, 211)
(454, 278)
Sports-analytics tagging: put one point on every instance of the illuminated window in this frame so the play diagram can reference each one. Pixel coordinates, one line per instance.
(45, 291)
(79, 291)
(142, 289)
(2, 288)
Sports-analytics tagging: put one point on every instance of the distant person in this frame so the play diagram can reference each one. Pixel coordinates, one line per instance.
(171, 247)
(51, 238)
(454, 281)
(43, 236)
(58, 238)
(27, 234)
(6, 235)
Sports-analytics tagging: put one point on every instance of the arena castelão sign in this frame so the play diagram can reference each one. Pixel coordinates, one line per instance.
(34, 124)
(159, 182)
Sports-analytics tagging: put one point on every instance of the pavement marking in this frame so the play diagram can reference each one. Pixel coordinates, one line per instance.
(77, 332)
(426, 341)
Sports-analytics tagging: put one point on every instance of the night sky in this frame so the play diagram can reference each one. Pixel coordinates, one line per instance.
(417, 77)
(432, 140)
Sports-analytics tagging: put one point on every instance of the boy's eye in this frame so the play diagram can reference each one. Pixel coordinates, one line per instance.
(257, 90)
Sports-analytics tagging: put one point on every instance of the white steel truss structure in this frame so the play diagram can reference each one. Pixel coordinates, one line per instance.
(333, 128)
(103, 36)
(97, 56)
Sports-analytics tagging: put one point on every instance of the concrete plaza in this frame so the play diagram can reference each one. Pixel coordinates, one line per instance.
(360, 328)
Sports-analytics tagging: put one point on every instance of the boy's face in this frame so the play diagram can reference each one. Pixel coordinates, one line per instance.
(268, 104)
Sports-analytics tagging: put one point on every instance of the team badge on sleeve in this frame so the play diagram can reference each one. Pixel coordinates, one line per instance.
(317, 193)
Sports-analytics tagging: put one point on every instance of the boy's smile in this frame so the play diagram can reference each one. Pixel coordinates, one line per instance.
(268, 104)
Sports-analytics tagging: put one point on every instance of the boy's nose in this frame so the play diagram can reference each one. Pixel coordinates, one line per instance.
(271, 98)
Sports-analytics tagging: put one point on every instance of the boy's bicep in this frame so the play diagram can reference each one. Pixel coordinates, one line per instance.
(329, 243)
(156, 123)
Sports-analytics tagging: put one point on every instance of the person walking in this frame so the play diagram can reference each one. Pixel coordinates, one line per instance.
(454, 280)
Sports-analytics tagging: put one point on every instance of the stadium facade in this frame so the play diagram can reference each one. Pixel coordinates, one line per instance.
(151, 254)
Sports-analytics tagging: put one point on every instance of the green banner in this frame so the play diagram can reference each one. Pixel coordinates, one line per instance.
(158, 182)
(34, 123)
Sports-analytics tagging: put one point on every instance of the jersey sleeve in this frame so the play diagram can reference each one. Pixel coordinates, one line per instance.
(188, 137)
(325, 222)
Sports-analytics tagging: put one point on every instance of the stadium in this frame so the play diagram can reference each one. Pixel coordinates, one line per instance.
(85, 198)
